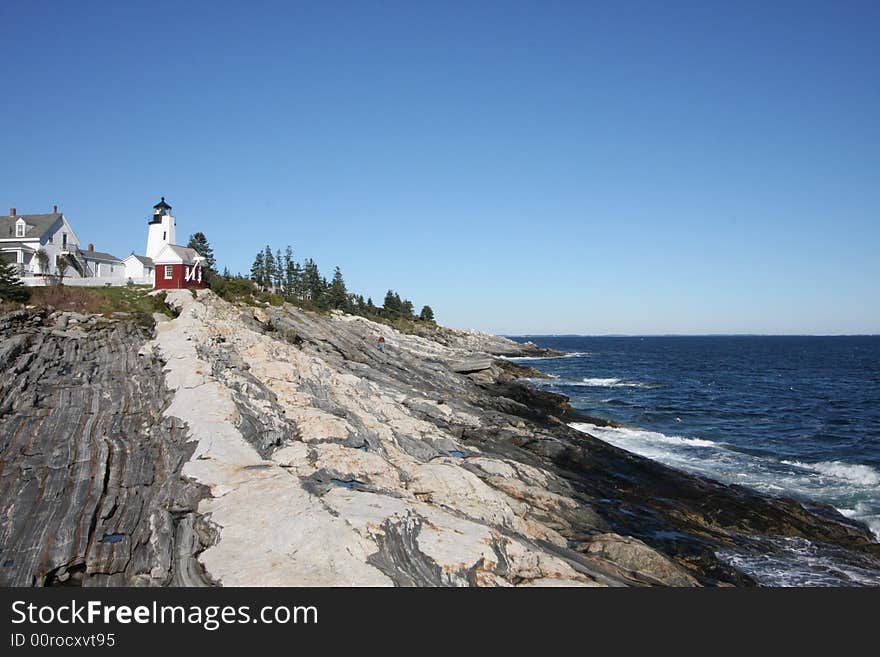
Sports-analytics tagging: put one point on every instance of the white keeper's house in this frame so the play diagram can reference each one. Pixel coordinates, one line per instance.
(24, 237)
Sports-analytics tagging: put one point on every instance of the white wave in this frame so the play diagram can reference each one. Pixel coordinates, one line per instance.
(798, 562)
(609, 383)
(864, 475)
(864, 513)
(519, 358)
(844, 485)
(625, 435)
(539, 380)
(572, 354)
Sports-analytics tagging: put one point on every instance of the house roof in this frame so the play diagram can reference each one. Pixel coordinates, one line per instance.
(98, 255)
(38, 225)
(144, 260)
(173, 253)
(16, 245)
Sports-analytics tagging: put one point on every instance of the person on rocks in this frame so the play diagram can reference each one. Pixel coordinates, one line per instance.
(382, 343)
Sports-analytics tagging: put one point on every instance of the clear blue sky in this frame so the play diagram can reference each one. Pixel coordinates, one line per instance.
(540, 167)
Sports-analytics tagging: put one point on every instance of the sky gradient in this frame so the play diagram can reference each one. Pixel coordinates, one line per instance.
(543, 167)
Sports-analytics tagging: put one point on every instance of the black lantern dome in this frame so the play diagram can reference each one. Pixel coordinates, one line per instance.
(159, 210)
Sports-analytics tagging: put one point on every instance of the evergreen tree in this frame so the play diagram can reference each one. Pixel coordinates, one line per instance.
(323, 299)
(200, 243)
(406, 309)
(11, 287)
(392, 305)
(226, 273)
(360, 306)
(268, 267)
(258, 270)
(427, 314)
(298, 281)
(371, 307)
(279, 270)
(312, 282)
(337, 294)
(290, 272)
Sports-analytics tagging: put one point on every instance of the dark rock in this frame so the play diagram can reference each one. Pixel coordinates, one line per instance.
(89, 467)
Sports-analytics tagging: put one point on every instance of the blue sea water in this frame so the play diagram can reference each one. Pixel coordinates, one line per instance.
(787, 415)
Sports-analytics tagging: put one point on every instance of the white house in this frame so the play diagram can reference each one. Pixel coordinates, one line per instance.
(139, 268)
(22, 236)
(102, 265)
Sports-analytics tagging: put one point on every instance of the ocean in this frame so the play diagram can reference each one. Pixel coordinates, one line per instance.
(797, 416)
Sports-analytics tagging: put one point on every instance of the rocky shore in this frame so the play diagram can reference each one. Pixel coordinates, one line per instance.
(269, 446)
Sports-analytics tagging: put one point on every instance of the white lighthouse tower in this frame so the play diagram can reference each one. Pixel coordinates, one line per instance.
(161, 229)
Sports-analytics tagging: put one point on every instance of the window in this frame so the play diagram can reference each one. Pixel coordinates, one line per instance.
(20, 228)
(169, 272)
(163, 236)
(64, 239)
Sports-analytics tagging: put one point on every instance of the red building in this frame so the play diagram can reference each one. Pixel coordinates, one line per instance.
(178, 267)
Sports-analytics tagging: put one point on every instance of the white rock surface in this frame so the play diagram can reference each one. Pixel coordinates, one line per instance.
(362, 484)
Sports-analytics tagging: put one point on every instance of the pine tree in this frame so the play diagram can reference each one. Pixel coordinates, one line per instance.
(11, 287)
(268, 267)
(258, 270)
(371, 307)
(406, 308)
(200, 243)
(298, 278)
(313, 289)
(279, 270)
(323, 298)
(427, 314)
(337, 294)
(391, 305)
(290, 273)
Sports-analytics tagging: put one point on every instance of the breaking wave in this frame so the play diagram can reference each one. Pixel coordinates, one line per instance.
(573, 354)
(845, 486)
(610, 383)
(859, 474)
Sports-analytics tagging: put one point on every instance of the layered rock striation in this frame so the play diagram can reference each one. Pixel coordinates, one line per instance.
(89, 465)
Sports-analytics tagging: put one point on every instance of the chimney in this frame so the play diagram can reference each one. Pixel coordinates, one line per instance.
(91, 247)
(11, 212)
(55, 209)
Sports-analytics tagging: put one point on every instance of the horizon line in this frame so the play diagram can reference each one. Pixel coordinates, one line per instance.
(689, 335)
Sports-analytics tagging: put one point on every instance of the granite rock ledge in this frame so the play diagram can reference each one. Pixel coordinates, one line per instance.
(272, 446)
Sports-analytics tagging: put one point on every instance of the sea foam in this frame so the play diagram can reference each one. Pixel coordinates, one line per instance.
(625, 435)
(864, 475)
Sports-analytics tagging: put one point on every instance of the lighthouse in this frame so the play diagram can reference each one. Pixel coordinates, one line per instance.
(161, 229)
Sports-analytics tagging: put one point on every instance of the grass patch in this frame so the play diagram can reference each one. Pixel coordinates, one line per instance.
(103, 301)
